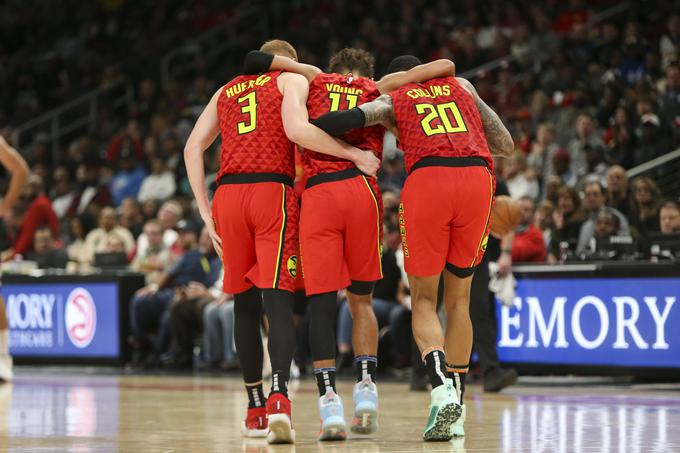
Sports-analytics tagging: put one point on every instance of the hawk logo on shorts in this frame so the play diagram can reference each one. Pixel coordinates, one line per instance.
(292, 266)
(485, 242)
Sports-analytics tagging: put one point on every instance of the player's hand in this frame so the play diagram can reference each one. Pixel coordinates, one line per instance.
(367, 163)
(214, 237)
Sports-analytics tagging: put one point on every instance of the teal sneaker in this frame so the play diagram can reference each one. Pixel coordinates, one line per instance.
(457, 429)
(444, 412)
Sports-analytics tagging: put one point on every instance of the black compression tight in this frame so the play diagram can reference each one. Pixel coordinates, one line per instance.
(323, 309)
(247, 338)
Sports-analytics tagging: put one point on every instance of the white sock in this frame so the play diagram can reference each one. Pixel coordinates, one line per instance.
(4, 342)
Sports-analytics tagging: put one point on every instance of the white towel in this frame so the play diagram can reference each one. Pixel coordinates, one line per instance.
(502, 286)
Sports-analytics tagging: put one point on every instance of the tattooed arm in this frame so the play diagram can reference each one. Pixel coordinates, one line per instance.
(379, 111)
(497, 136)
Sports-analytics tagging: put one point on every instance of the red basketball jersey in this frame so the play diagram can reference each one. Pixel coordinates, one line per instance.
(438, 118)
(253, 139)
(331, 92)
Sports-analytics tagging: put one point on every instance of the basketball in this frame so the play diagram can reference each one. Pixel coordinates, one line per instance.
(505, 216)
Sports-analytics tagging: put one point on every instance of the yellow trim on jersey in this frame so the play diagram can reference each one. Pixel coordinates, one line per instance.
(488, 217)
(281, 238)
(379, 224)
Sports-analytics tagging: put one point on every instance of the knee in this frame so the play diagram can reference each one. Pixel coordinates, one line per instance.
(359, 305)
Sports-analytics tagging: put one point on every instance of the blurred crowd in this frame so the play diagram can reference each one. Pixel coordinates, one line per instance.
(585, 103)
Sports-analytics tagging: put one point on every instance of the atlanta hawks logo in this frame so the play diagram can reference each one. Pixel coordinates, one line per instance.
(80, 317)
(292, 266)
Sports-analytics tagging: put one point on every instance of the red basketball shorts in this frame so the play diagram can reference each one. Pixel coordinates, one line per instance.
(444, 219)
(340, 232)
(258, 224)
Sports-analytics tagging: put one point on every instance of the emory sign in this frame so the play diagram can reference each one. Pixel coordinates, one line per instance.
(591, 321)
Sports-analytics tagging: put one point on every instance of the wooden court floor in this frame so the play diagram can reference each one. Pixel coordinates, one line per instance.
(73, 410)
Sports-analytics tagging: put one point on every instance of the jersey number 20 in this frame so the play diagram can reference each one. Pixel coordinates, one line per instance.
(437, 120)
(248, 105)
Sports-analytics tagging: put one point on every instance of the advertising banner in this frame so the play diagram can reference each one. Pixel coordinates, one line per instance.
(592, 321)
(62, 320)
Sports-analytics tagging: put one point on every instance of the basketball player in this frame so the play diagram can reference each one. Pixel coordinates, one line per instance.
(341, 226)
(448, 134)
(16, 166)
(254, 218)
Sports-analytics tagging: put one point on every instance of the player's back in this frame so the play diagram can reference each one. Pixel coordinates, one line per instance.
(253, 137)
(438, 118)
(331, 92)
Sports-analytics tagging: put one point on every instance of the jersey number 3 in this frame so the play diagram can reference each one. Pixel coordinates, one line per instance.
(437, 120)
(248, 105)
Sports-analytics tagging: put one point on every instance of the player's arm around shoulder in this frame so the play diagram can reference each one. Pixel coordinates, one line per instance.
(421, 73)
(257, 61)
(497, 135)
(295, 118)
(378, 111)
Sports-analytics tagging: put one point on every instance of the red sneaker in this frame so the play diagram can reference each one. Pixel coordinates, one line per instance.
(280, 426)
(255, 424)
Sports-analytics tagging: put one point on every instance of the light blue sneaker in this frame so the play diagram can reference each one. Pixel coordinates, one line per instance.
(333, 426)
(365, 419)
(444, 412)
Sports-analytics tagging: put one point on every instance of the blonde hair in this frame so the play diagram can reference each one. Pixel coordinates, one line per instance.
(279, 47)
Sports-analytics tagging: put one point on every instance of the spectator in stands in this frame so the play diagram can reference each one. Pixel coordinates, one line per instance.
(586, 138)
(521, 181)
(218, 330)
(606, 224)
(617, 189)
(131, 216)
(652, 141)
(128, 140)
(79, 254)
(128, 179)
(168, 216)
(543, 220)
(595, 200)
(150, 210)
(46, 252)
(622, 147)
(669, 42)
(543, 150)
(528, 244)
(393, 174)
(157, 258)
(669, 217)
(92, 193)
(596, 168)
(644, 212)
(160, 184)
(670, 97)
(563, 168)
(567, 221)
(200, 265)
(196, 309)
(97, 241)
(38, 212)
(62, 193)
